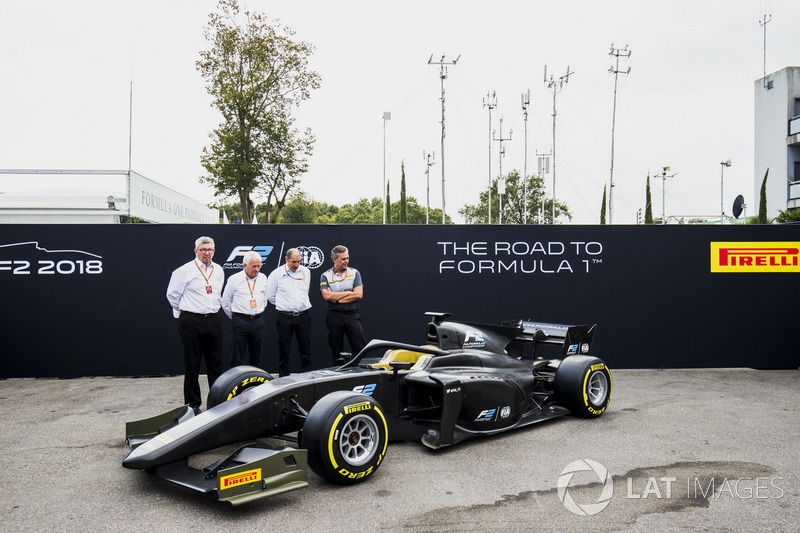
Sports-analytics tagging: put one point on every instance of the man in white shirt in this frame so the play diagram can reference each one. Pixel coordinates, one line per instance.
(244, 301)
(287, 290)
(194, 293)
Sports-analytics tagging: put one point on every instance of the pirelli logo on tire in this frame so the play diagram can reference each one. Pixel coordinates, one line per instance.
(356, 407)
(754, 257)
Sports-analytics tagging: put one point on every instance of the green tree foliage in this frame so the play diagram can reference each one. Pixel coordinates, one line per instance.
(301, 209)
(403, 207)
(255, 73)
(762, 204)
(388, 204)
(362, 212)
(603, 207)
(790, 215)
(648, 206)
(540, 208)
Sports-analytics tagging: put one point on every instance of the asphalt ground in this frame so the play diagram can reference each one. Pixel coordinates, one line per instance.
(687, 450)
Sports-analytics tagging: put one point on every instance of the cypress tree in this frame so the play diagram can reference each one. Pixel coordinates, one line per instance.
(648, 209)
(603, 207)
(762, 204)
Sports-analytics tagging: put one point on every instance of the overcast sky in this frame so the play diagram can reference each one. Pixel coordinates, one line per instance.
(67, 68)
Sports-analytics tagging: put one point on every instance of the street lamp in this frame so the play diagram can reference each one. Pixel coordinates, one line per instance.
(386, 116)
(722, 166)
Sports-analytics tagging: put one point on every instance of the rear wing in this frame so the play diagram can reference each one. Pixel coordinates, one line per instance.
(573, 339)
(508, 337)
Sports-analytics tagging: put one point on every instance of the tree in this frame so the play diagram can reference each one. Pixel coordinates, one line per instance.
(790, 215)
(603, 207)
(762, 204)
(539, 207)
(362, 212)
(403, 208)
(648, 207)
(255, 73)
(388, 204)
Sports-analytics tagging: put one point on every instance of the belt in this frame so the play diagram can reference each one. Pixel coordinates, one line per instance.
(204, 315)
(344, 311)
(293, 313)
(244, 315)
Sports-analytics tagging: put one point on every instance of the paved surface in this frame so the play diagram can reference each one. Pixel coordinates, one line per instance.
(688, 450)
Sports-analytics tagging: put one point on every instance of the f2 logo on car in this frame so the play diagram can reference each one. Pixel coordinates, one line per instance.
(365, 389)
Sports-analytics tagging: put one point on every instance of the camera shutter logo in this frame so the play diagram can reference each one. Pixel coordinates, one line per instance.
(583, 465)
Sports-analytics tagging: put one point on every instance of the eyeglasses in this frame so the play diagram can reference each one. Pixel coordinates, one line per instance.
(211, 251)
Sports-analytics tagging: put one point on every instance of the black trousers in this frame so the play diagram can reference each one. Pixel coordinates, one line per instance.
(340, 324)
(300, 327)
(202, 339)
(246, 335)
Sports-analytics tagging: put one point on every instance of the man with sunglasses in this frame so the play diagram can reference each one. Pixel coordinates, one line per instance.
(287, 290)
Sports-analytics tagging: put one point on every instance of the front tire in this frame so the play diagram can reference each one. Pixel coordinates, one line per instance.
(235, 381)
(583, 385)
(346, 436)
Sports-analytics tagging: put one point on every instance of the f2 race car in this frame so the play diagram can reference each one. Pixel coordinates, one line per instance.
(468, 380)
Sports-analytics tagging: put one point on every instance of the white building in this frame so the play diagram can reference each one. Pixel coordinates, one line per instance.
(777, 139)
(140, 198)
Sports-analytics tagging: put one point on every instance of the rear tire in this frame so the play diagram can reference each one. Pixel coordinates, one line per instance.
(583, 385)
(346, 437)
(235, 381)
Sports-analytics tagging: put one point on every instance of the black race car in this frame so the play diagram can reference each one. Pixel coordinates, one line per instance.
(468, 380)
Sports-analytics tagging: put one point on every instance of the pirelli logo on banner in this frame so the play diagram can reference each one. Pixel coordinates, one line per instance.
(755, 257)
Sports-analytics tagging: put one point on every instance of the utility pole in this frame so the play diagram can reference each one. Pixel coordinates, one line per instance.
(501, 181)
(556, 85)
(544, 169)
(386, 116)
(763, 23)
(490, 102)
(526, 100)
(664, 177)
(443, 64)
(722, 166)
(616, 53)
(430, 159)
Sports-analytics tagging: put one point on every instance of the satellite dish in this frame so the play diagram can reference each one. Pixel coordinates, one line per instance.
(738, 205)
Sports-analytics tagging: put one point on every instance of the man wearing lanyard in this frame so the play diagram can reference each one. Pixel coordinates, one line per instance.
(342, 288)
(287, 290)
(244, 302)
(194, 293)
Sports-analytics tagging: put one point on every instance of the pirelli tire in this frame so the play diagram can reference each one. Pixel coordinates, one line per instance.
(346, 436)
(583, 385)
(235, 381)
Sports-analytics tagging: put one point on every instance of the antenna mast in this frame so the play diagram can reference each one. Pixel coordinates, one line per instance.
(556, 85)
(490, 102)
(616, 53)
(763, 23)
(430, 159)
(526, 100)
(500, 181)
(443, 64)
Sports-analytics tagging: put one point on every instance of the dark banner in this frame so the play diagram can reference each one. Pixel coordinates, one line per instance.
(89, 300)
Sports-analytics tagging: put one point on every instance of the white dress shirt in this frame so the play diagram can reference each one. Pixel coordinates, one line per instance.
(240, 290)
(287, 290)
(188, 288)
